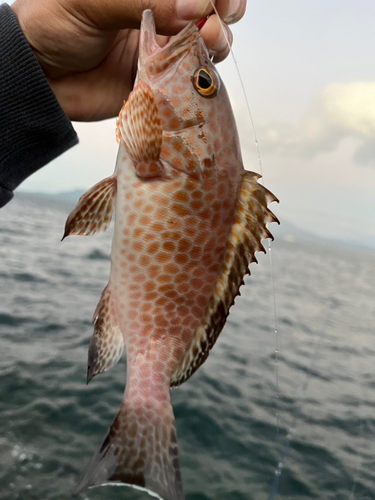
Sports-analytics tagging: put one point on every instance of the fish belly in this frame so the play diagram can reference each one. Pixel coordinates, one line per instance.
(169, 242)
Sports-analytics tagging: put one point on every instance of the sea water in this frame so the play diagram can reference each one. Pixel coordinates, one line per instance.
(230, 437)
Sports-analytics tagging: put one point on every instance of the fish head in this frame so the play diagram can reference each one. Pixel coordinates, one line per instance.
(199, 130)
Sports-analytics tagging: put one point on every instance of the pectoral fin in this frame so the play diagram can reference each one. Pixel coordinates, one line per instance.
(94, 209)
(140, 131)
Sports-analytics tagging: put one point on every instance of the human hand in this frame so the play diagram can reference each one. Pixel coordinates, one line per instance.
(88, 49)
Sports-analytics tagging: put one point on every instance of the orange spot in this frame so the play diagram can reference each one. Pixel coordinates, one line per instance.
(205, 214)
(175, 101)
(184, 245)
(174, 224)
(153, 168)
(181, 258)
(153, 248)
(157, 227)
(161, 301)
(191, 164)
(177, 146)
(153, 271)
(161, 214)
(171, 269)
(138, 203)
(177, 163)
(195, 252)
(159, 320)
(137, 246)
(131, 219)
(165, 152)
(144, 220)
(196, 205)
(182, 278)
(180, 196)
(206, 260)
(175, 122)
(167, 112)
(179, 210)
(168, 246)
(164, 278)
(159, 200)
(137, 232)
(149, 237)
(162, 257)
(171, 294)
(182, 310)
(198, 151)
(149, 286)
(177, 89)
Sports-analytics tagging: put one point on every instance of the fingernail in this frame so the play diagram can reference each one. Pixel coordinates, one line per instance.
(236, 10)
(190, 10)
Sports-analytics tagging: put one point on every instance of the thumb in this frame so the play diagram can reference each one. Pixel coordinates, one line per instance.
(170, 15)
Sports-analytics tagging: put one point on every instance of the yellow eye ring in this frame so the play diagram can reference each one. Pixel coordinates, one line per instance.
(204, 83)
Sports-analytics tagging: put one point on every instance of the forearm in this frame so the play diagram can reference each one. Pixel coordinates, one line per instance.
(33, 128)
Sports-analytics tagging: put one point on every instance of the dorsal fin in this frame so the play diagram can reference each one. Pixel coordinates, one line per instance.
(249, 228)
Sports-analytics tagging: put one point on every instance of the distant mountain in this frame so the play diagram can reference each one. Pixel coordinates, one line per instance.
(289, 232)
(63, 196)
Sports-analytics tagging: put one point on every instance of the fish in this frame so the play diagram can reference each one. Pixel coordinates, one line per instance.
(189, 220)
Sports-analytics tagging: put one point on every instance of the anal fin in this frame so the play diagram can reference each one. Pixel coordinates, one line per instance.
(94, 209)
(107, 342)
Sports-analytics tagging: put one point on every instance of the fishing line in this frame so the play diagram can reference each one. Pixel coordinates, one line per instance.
(318, 342)
(269, 240)
(292, 427)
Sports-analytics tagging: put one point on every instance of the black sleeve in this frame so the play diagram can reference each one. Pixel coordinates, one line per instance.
(33, 128)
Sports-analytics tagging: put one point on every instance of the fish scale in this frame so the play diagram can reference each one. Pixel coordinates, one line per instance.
(188, 221)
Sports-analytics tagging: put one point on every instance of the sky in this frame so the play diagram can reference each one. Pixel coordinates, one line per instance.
(308, 68)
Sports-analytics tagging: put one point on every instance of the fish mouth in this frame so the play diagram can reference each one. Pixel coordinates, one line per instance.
(148, 44)
(150, 50)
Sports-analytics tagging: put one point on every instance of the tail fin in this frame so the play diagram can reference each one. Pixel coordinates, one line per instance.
(140, 450)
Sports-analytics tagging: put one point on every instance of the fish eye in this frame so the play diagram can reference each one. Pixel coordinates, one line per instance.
(204, 83)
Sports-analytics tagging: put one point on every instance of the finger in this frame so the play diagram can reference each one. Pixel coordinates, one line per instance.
(215, 39)
(235, 12)
(192, 10)
(170, 16)
(230, 11)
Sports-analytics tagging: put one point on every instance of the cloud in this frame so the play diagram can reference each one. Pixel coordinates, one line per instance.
(338, 112)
